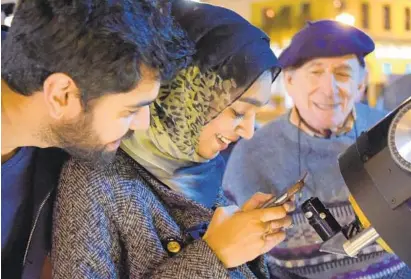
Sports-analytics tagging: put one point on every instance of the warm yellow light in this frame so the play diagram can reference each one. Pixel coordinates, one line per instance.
(337, 4)
(345, 18)
(270, 13)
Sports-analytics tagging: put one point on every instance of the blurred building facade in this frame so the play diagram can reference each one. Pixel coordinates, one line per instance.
(388, 22)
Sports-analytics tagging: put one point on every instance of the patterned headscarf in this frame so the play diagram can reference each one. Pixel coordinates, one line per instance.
(184, 106)
(231, 55)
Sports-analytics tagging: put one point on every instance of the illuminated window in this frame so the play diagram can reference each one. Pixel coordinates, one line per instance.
(387, 17)
(365, 10)
(306, 10)
(268, 19)
(286, 16)
(408, 69)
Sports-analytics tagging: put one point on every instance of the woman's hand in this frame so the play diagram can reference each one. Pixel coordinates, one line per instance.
(239, 235)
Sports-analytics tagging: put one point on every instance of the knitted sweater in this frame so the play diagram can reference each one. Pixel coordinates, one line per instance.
(269, 163)
(117, 222)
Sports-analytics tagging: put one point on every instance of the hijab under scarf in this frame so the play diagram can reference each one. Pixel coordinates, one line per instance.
(230, 55)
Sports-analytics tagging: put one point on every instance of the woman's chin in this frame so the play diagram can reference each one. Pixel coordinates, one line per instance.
(209, 155)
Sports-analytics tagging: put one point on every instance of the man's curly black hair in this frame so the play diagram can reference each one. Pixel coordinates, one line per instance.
(100, 44)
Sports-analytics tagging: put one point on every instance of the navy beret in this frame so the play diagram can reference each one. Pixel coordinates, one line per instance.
(326, 38)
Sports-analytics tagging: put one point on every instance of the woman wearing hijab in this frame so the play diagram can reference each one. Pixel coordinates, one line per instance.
(152, 212)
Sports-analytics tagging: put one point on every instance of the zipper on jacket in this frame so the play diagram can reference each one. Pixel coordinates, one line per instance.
(34, 226)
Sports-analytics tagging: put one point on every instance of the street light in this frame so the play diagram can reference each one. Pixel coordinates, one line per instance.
(345, 18)
(269, 13)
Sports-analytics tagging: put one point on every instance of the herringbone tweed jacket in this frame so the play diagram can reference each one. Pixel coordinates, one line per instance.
(116, 223)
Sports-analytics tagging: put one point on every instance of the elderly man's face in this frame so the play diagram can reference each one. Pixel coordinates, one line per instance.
(324, 89)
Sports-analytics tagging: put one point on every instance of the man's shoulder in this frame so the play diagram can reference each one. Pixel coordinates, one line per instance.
(269, 139)
(120, 178)
(368, 116)
(119, 190)
(278, 125)
(366, 109)
(268, 135)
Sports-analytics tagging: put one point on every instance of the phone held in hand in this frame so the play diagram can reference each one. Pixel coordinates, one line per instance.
(282, 199)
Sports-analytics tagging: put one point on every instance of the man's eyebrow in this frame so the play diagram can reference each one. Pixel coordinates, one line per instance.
(141, 104)
(253, 101)
(314, 63)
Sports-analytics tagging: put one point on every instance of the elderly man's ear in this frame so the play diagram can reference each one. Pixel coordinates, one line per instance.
(288, 79)
(362, 84)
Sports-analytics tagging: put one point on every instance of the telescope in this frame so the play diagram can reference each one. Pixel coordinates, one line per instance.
(377, 172)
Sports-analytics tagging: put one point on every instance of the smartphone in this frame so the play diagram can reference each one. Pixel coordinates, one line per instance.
(282, 199)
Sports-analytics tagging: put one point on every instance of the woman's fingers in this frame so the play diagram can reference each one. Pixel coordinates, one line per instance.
(270, 214)
(272, 240)
(282, 223)
(289, 206)
(256, 201)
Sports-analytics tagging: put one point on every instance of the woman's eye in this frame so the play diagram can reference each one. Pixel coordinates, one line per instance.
(238, 115)
(130, 112)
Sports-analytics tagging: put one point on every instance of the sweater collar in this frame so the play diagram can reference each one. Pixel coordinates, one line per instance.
(300, 123)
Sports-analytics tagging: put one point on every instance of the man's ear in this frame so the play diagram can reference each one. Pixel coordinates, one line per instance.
(362, 83)
(61, 96)
(289, 81)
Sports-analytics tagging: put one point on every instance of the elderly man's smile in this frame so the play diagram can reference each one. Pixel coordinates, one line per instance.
(324, 106)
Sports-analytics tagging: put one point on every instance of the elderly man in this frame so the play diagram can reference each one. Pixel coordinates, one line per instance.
(324, 72)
